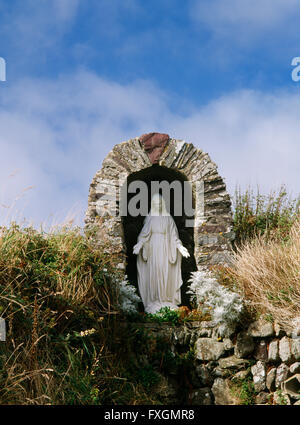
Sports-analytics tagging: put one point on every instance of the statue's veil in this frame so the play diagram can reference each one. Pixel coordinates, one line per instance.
(156, 201)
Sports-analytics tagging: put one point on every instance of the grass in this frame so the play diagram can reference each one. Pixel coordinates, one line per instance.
(244, 390)
(268, 275)
(59, 297)
(269, 215)
(266, 258)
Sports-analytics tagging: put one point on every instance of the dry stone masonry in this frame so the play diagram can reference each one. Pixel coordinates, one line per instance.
(220, 367)
(158, 155)
(261, 353)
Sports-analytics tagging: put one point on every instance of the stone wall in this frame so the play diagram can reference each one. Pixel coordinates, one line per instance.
(213, 229)
(249, 367)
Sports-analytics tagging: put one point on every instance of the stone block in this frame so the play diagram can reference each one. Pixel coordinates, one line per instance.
(201, 397)
(295, 349)
(295, 368)
(259, 376)
(270, 379)
(291, 386)
(285, 349)
(273, 352)
(260, 352)
(244, 345)
(233, 362)
(222, 393)
(209, 349)
(261, 328)
(204, 375)
(282, 373)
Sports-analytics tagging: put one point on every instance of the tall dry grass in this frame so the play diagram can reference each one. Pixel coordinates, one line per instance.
(270, 215)
(59, 297)
(267, 271)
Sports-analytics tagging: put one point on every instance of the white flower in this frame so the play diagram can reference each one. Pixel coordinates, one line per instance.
(128, 298)
(88, 332)
(225, 305)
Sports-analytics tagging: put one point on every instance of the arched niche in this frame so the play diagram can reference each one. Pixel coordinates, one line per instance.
(180, 192)
(212, 231)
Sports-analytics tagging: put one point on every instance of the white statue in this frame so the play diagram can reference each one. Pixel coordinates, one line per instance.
(159, 252)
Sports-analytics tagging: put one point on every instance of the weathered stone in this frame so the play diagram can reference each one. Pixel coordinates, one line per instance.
(182, 336)
(273, 352)
(154, 144)
(208, 349)
(270, 380)
(222, 392)
(221, 373)
(261, 328)
(262, 398)
(242, 374)
(259, 376)
(232, 362)
(285, 349)
(228, 345)
(204, 375)
(204, 332)
(291, 386)
(282, 374)
(295, 368)
(244, 345)
(201, 397)
(223, 257)
(132, 160)
(260, 352)
(295, 348)
(278, 329)
(295, 333)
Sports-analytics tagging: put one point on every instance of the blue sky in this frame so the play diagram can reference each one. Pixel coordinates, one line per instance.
(84, 75)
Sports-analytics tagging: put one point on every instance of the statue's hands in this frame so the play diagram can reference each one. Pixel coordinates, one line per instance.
(184, 252)
(137, 248)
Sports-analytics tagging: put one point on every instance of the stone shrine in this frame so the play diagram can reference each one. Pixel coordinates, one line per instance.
(158, 157)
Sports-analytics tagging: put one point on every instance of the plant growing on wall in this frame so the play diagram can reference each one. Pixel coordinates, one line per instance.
(128, 298)
(224, 305)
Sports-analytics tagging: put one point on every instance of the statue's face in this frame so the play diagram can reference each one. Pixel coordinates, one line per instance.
(157, 204)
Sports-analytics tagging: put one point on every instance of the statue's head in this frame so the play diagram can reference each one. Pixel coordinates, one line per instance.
(158, 206)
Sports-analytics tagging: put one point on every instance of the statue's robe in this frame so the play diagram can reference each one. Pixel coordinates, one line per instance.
(159, 263)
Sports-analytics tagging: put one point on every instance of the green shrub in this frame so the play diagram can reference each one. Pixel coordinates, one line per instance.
(256, 214)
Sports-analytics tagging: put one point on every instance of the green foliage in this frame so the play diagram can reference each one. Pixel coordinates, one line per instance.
(147, 376)
(165, 314)
(59, 297)
(244, 390)
(257, 214)
(281, 398)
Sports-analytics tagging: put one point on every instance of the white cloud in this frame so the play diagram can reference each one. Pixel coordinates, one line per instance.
(65, 10)
(252, 136)
(30, 26)
(55, 134)
(248, 20)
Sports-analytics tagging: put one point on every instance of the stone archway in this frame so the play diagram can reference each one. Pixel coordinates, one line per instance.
(132, 225)
(212, 225)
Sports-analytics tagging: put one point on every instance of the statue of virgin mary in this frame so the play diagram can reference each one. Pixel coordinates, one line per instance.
(159, 252)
